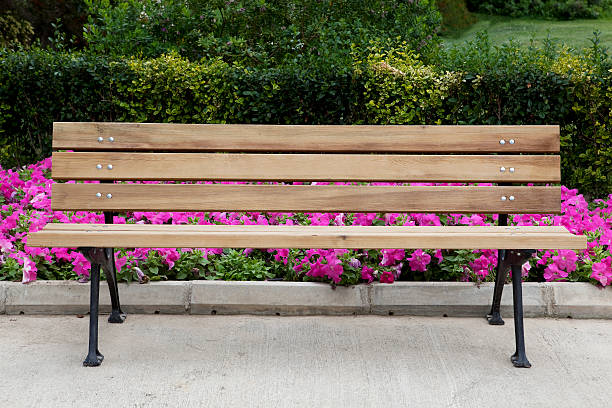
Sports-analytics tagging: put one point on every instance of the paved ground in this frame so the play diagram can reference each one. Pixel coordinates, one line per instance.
(248, 361)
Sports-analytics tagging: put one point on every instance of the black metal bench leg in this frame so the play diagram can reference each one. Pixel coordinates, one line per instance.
(494, 317)
(110, 271)
(94, 357)
(519, 359)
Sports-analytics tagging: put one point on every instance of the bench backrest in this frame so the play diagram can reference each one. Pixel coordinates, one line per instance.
(506, 156)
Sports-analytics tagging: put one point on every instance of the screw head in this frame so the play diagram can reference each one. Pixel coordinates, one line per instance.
(502, 142)
(511, 198)
(110, 167)
(100, 139)
(503, 198)
(112, 139)
(109, 195)
(502, 169)
(511, 169)
(98, 195)
(511, 141)
(98, 166)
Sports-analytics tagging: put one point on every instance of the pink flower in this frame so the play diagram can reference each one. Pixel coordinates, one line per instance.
(120, 261)
(553, 272)
(29, 271)
(282, 254)
(480, 266)
(391, 256)
(566, 260)
(525, 269)
(602, 271)
(5, 245)
(367, 273)
(419, 260)
(438, 256)
(387, 277)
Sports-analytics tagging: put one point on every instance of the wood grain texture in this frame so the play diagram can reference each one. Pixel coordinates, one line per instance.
(307, 198)
(305, 167)
(305, 138)
(260, 236)
(372, 229)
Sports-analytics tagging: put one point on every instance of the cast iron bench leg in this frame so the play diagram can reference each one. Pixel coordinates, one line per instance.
(494, 317)
(94, 358)
(110, 271)
(519, 359)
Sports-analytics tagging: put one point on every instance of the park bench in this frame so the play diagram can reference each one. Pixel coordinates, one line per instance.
(508, 157)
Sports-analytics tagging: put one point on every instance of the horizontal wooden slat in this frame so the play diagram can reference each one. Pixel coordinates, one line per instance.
(259, 236)
(305, 167)
(281, 198)
(370, 229)
(305, 138)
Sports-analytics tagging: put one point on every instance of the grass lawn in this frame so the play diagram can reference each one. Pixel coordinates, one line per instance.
(574, 33)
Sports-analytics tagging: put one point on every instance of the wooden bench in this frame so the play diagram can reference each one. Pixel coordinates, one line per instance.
(507, 156)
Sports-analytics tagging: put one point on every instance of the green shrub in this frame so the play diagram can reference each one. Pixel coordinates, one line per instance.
(39, 87)
(257, 32)
(556, 9)
(43, 17)
(549, 85)
(478, 84)
(14, 31)
(455, 15)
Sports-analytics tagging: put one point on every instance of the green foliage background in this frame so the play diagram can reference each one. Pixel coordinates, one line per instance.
(302, 62)
(552, 9)
(487, 85)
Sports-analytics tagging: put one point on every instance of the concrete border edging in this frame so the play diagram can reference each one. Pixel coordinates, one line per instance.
(3, 286)
(562, 299)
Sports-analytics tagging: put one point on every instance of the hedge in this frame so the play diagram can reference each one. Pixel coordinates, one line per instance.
(486, 87)
(552, 9)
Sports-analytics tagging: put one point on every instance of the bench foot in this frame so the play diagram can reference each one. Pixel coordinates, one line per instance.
(495, 319)
(116, 316)
(93, 360)
(520, 361)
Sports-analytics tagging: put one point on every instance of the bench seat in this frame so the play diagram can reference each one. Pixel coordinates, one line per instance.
(283, 236)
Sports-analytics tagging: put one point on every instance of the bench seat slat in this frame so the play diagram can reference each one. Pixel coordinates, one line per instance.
(260, 236)
(315, 138)
(306, 167)
(306, 198)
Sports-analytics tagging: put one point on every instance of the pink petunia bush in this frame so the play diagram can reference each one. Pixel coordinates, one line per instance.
(25, 206)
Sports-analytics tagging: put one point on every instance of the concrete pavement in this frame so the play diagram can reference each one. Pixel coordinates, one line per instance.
(309, 361)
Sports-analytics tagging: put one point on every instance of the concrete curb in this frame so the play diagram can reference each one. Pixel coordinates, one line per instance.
(578, 300)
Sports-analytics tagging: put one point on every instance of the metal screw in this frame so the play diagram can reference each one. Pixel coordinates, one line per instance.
(109, 195)
(502, 142)
(502, 169)
(100, 139)
(110, 167)
(511, 198)
(511, 141)
(503, 198)
(511, 169)
(98, 166)
(112, 139)
(98, 195)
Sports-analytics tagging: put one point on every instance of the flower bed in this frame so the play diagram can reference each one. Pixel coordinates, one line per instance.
(25, 206)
